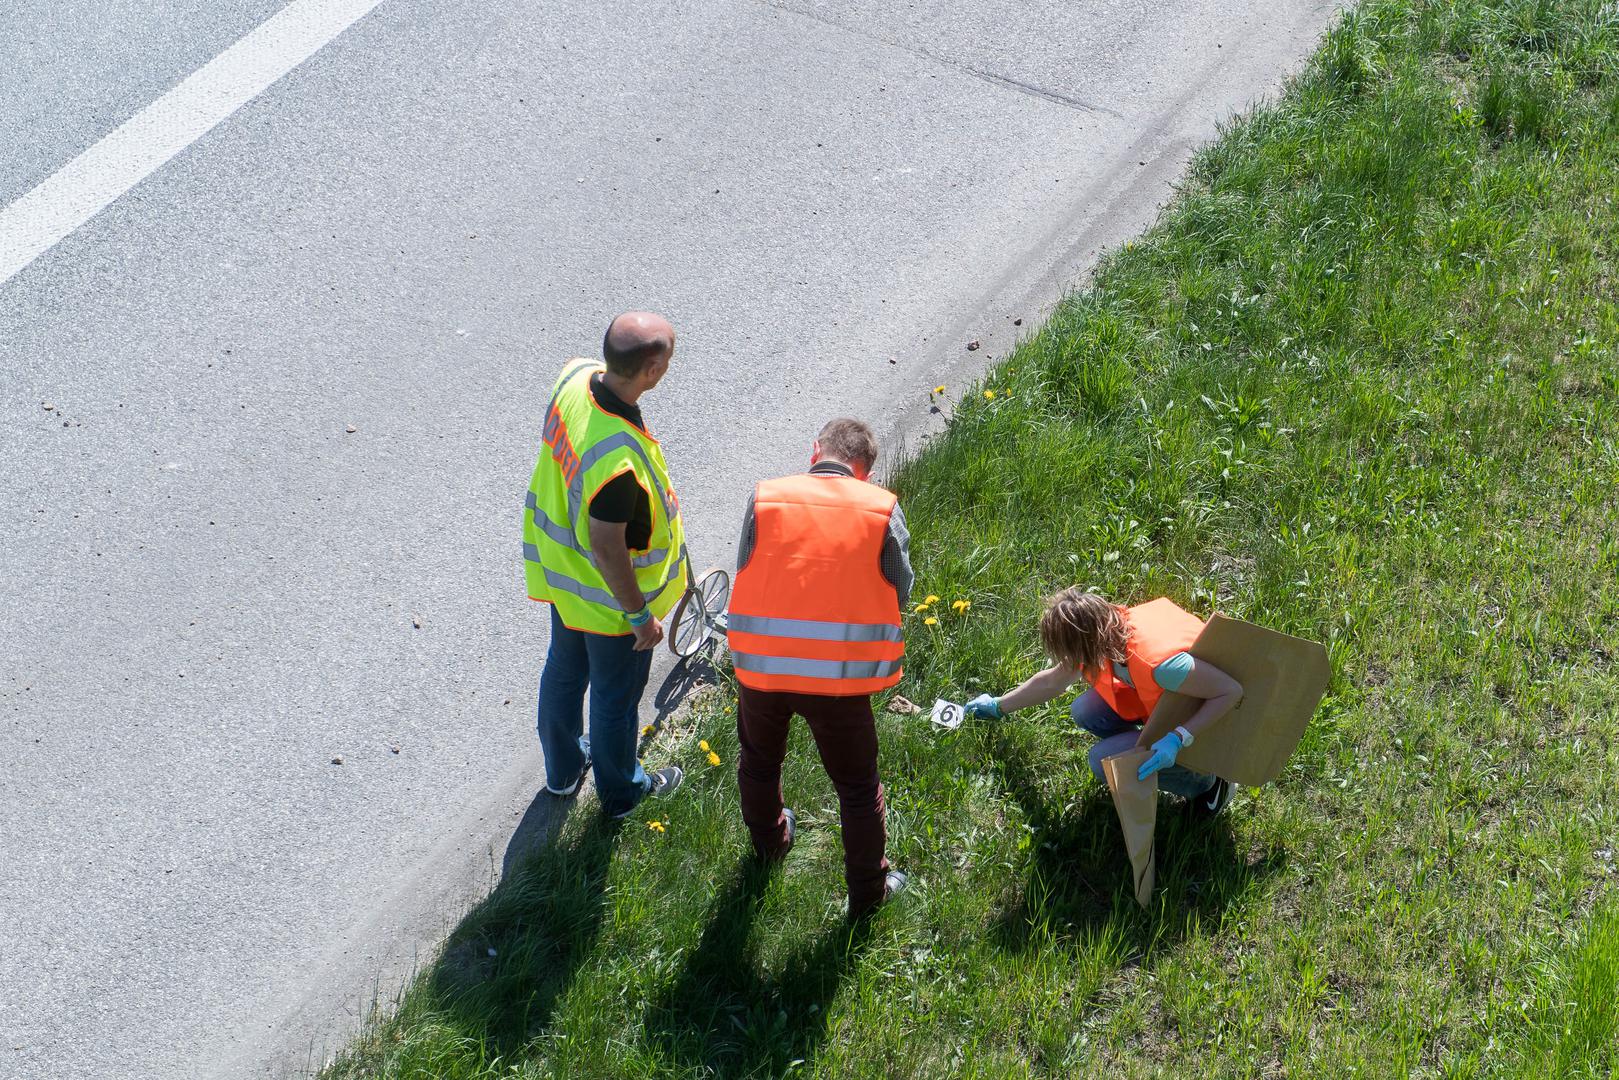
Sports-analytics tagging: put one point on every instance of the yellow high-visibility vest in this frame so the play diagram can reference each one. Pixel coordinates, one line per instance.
(585, 447)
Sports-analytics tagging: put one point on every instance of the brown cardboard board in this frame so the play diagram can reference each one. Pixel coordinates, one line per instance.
(1137, 804)
(1283, 680)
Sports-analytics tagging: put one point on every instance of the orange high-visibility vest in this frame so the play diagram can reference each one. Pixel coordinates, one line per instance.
(811, 612)
(1158, 630)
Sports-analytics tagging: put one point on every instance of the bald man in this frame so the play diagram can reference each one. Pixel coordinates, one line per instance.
(604, 545)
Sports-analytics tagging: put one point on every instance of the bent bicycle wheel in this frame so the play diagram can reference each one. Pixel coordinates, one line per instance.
(688, 625)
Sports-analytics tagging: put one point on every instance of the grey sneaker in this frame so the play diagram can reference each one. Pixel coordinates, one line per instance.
(792, 832)
(664, 781)
(893, 885)
(659, 784)
(573, 788)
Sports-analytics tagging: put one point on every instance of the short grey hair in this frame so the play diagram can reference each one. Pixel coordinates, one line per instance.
(849, 440)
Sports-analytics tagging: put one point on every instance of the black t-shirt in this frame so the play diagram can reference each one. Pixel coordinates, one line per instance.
(622, 498)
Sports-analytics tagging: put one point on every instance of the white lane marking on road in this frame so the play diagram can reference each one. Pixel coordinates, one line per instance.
(91, 182)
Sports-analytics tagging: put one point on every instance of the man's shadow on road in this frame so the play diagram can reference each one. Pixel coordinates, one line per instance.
(722, 1018)
(1080, 877)
(512, 958)
(509, 962)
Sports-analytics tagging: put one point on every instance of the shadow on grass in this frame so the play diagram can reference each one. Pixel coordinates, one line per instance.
(512, 958)
(1081, 875)
(722, 1018)
(541, 824)
(689, 674)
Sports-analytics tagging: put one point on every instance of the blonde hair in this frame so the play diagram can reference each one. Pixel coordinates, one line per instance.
(1083, 630)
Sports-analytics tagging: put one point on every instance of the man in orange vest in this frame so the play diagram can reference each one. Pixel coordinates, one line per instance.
(823, 571)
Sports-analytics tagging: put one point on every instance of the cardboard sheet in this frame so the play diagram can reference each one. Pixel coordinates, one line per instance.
(1137, 804)
(1283, 680)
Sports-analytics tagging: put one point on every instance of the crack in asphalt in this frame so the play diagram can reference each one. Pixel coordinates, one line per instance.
(993, 78)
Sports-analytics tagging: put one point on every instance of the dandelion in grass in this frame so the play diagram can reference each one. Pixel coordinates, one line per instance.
(702, 744)
(647, 730)
(938, 389)
(932, 599)
(961, 606)
(655, 826)
(931, 620)
(713, 758)
(989, 395)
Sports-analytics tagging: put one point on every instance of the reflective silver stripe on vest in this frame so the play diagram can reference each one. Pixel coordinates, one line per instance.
(567, 377)
(599, 597)
(622, 441)
(813, 630)
(558, 580)
(814, 669)
(565, 536)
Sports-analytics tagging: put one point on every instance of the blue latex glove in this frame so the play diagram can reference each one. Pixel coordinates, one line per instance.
(983, 705)
(1163, 755)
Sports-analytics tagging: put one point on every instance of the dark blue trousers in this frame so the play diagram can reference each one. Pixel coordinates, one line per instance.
(616, 676)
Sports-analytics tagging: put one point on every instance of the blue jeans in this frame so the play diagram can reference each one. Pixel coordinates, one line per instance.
(616, 675)
(1115, 735)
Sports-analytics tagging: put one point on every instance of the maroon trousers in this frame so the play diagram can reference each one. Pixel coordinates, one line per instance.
(846, 735)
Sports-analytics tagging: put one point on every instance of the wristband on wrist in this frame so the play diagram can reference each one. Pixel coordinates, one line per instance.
(642, 617)
(1186, 736)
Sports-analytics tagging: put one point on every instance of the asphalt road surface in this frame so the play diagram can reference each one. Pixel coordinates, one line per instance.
(210, 588)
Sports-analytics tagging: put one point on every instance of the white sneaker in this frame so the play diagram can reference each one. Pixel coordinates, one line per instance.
(573, 788)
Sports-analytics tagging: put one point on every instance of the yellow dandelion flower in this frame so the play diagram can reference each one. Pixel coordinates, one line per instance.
(647, 730)
(938, 389)
(989, 395)
(932, 599)
(918, 609)
(702, 744)
(931, 621)
(713, 758)
(655, 826)
(962, 605)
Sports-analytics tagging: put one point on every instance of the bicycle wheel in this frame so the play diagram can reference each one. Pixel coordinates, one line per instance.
(715, 587)
(688, 628)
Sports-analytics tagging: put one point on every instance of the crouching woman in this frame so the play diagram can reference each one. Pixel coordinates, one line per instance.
(1130, 657)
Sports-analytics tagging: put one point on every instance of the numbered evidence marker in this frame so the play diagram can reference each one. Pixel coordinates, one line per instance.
(947, 714)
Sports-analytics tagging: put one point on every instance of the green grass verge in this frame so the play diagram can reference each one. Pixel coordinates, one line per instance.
(1359, 384)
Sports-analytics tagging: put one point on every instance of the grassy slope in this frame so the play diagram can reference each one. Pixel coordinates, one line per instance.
(1358, 384)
